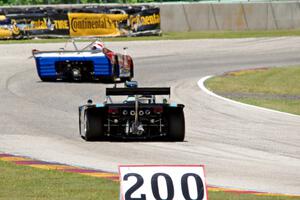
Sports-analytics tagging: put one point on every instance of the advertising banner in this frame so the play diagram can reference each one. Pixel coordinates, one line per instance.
(101, 21)
(5, 27)
(147, 21)
(93, 24)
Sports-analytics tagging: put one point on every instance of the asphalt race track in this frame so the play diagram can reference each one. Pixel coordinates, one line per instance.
(241, 147)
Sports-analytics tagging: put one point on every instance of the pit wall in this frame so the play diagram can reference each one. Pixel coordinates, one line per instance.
(229, 16)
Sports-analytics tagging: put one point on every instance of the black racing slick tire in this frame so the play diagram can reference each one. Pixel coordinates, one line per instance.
(176, 123)
(93, 125)
(47, 79)
(126, 79)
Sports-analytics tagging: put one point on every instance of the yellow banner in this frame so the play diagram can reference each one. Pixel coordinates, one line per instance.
(2, 17)
(5, 33)
(92, 24)
(145, 20)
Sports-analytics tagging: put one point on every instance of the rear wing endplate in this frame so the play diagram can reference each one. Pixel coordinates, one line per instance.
(138, 91)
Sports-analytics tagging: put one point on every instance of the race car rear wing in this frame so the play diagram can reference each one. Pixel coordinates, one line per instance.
(138, 91)
(35, 52)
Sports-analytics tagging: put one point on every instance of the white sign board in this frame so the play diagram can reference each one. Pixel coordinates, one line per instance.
(162, 182)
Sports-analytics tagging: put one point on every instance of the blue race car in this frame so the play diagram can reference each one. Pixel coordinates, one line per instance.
(92, 63)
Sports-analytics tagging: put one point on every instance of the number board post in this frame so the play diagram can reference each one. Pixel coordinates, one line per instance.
(162, 182)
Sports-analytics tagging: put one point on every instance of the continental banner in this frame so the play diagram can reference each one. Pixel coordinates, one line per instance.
(91, 24)
(104, 21)
(145, 22)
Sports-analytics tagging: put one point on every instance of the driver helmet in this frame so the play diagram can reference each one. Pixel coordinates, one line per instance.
(98, 45)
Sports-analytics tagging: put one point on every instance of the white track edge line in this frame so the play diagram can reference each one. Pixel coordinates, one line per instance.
(202, 87)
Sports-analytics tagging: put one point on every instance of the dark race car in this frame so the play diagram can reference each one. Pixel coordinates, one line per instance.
(92, 63)
(139, 116)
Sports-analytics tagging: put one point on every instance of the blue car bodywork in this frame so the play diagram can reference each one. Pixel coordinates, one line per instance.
(83, 65)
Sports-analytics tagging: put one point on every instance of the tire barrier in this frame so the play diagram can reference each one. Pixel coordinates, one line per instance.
(111, 21)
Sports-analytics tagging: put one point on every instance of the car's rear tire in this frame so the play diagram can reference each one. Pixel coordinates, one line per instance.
(176, 125)
(93, 125)
(47, 79)
(126, 79)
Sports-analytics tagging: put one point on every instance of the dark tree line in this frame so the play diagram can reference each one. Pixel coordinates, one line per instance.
(39, 2)
(35, 2)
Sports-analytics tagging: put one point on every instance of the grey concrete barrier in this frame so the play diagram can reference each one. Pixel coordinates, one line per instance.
(229, 16)
(284, 14)
(258, 16)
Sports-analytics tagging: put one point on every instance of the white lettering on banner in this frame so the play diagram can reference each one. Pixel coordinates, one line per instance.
(158, 182)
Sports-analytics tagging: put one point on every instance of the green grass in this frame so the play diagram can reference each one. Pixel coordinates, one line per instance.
(27, 183)
(235, 196)
(290, 106)
(180, 36)
(275, 88)
(230, 34)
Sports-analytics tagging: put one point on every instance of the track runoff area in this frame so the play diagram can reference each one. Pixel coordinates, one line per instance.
(146, 181)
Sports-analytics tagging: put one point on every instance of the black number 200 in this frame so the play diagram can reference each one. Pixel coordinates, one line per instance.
(170, 186)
